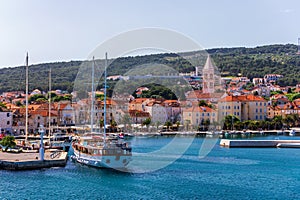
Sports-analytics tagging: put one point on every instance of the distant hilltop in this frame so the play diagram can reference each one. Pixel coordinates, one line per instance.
(237, 61)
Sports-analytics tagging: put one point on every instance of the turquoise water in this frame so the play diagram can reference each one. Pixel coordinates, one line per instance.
(236, 173)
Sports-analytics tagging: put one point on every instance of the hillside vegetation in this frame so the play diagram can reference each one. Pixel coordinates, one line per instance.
(250, 62)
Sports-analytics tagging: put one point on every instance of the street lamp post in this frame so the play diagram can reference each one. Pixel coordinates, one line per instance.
(42, 131)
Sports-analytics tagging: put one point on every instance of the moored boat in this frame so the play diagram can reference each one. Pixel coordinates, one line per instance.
(100, 150)
(97, 151)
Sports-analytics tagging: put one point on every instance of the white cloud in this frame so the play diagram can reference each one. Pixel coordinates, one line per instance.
(287, 10)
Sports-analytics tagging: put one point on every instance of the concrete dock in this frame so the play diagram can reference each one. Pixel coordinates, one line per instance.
(255, 143)
(26, 161)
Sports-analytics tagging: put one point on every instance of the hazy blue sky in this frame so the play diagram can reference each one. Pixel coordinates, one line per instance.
(56, 30)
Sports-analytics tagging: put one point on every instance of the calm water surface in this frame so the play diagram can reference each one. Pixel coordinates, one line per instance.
(236, 173)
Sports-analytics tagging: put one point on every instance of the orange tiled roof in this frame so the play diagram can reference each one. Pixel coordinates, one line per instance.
(244, 98)
(199, 109)
(138, 100)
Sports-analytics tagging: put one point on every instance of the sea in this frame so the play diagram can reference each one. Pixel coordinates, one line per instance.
(220, 173)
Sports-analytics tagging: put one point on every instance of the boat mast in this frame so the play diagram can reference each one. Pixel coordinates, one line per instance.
(26, 100)
(105, 86)
(93, 96)
(49, 98)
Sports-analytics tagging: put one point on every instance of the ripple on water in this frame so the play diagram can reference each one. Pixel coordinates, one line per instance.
(230, 160)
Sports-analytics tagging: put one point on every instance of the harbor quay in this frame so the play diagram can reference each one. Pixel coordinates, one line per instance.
(30, 161)
(260, 143)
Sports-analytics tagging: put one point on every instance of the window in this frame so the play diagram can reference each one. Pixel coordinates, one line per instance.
(202, 114)
(207, 114)
(260, 110)
(260, 117)
(228, 107)
(7, 114)
(8, 122)
(238, 107)
(238, 113)
(234, 107)
(256, 110)
(260, 104)
(38, 117)
(256, 117)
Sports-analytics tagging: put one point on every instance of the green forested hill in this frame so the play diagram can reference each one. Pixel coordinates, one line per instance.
(251, 62)
(255, 62)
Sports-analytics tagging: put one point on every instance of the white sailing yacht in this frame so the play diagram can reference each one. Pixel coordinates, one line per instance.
(99, 150)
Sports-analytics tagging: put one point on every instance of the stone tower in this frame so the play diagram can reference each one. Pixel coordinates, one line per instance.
(208, 76)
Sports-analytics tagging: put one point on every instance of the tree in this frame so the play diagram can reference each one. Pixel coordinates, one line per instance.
(113, 125)
(101, 123)
(278, 122)
(2, 105)
(229, 121)
(99, 97)
(177, 125)
(168, 124)
(37, 97)
(206, 124)
(203, 103)
(19, 104)
(51, 94)
(147, 122)
(8, 142)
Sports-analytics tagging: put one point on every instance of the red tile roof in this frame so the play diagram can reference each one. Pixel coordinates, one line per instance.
(243, 98)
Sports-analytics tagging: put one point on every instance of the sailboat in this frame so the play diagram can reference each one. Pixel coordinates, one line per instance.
(100, 150)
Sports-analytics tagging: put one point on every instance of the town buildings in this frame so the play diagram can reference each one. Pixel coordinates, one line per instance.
(207, 105)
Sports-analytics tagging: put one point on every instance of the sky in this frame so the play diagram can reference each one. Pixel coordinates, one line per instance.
(64, 30)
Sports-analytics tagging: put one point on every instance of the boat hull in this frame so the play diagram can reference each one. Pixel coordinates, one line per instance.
(118, 162)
